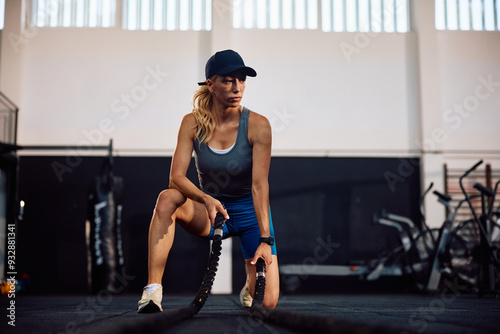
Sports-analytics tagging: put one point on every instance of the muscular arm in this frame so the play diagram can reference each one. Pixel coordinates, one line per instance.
(180, 163)
(260, 137)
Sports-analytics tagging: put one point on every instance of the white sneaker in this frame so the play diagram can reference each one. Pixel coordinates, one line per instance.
(245, 298)
(151, 304)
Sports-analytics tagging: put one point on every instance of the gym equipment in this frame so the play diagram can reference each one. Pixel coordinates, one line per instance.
(260, 284)
(475, 243)
(470, 251)
(103, 230)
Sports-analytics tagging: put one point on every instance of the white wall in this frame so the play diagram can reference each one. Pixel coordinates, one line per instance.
(89, 85)
(335, 100)
(470, 71)
(317, 98)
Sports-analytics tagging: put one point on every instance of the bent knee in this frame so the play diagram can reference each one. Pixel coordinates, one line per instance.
(271, 301)
(168, 201)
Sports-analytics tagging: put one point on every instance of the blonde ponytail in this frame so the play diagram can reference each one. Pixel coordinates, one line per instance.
(202, 110)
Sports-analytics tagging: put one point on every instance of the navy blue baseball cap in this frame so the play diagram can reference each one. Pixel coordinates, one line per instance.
(226, 62)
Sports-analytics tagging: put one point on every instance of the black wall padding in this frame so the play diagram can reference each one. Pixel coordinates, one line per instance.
(51, 238)
(319, 206)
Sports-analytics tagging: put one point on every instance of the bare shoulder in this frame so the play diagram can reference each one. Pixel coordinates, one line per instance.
(259, 128)
(188, 124)
(189, 120)
(255, 119)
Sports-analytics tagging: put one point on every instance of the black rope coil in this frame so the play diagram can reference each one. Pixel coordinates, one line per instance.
(260, 283)
(213, 264)
(305, 322)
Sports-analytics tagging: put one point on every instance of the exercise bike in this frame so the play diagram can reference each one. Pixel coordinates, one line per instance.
(474, 245)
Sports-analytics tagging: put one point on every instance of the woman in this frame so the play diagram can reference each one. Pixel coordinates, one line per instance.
(232, 148)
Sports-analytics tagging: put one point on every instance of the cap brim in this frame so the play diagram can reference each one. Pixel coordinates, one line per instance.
(248, 71)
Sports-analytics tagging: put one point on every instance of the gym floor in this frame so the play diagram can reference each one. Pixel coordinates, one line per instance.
(447, 312)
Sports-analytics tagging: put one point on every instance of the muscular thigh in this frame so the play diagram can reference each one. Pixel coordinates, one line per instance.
(193, 217)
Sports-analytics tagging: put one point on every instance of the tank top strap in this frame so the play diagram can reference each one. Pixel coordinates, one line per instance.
(243, 130)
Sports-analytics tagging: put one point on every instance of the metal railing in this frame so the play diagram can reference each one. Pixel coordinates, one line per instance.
(8, 120)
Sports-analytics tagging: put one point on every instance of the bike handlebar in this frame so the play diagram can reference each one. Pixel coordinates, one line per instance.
(421, 204)
(443, 197)
(485, 190)
(463, 189)
(493, 198)
(484, 233)
(496, 187)
(428, 189)
(473, 168)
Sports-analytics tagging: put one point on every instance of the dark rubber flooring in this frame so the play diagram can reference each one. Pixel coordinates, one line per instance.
(371, 313)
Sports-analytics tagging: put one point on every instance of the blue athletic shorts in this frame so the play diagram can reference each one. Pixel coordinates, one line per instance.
(242, 222)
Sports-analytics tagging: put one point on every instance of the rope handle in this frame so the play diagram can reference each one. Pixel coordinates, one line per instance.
(260, 283)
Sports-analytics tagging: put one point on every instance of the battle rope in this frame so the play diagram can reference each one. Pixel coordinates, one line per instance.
(160, 321)
(304, 322)
(213, 264)
(260, 284)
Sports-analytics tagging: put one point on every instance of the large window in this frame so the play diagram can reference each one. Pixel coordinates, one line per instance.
(328, 15)
(136, 14)
(73, 13)
(275, 14)
(365, 15)
(467, 15)
(167, 14)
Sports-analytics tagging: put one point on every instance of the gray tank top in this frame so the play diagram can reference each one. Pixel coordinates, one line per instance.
(227, 174)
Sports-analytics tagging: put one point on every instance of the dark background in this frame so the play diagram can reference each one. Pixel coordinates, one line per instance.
(328, 198)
